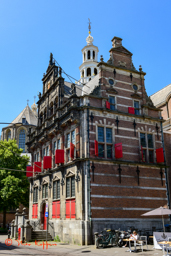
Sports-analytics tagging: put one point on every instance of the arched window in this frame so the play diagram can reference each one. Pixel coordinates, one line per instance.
(88, 55)
(93, 55)
(82, 73)
(89, 72)
(95, 71)
(9, 135)
(22, 137)
(84, 56)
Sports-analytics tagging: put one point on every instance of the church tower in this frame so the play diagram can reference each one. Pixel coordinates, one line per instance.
(88, 68)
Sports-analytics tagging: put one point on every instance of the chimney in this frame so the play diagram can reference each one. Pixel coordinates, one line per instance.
(116, 42)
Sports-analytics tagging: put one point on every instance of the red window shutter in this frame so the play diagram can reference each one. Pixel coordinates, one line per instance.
(36, 214)
(131, 110)
(159, 155)
(53, 209)
(72, 208)
(29, 171)
(108, 104)
(96, 148)
(59, 156)
(58, 209)
(19, 233)
(118, 150)
(68, 209)
(47, 162)
(72, 146)
(37, 166)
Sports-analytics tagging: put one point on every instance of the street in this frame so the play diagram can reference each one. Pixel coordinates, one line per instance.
(12, 247)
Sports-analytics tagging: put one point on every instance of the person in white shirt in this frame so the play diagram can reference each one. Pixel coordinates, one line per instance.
(133, 237)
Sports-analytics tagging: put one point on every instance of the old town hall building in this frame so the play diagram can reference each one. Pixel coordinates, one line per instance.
(97, 150)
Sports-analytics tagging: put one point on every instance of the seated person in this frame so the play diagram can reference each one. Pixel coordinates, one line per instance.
(133, 237)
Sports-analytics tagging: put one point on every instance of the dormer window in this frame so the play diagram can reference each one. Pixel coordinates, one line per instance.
(23, 120)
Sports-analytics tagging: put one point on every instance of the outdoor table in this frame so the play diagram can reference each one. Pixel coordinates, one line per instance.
(129, 240)
(165, 243)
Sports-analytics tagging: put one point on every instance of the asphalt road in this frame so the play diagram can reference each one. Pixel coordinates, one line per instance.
(12, 247)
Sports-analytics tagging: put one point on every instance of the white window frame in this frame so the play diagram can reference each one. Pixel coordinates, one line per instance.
(139, 106)
(105, 143)
(147, 148)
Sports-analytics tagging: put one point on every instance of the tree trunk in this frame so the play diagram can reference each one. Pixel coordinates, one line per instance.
(4, 218)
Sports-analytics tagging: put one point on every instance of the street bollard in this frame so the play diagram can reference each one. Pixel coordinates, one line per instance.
(96, 235)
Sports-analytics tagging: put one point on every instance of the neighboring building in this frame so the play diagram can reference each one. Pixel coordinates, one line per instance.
(98, 152)
(162, 100)
(19, 127)
(18, 130)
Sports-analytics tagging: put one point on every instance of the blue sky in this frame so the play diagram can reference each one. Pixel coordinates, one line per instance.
(31, 29)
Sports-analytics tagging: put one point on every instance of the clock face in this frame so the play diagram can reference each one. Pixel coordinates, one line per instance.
(135, 87)
(111, 82)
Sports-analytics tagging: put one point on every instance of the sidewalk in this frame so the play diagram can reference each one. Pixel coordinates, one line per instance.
(58, 248)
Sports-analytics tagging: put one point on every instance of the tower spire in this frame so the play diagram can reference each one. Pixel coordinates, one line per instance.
(89, 26)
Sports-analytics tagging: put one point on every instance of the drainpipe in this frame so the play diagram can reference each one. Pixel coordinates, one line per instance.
(88, 165)
(167, 185)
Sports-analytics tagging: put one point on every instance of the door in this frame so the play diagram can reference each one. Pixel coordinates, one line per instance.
(43, 218)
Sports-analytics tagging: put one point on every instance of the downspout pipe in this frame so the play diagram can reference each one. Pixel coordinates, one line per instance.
(167, 185)
(88, 165)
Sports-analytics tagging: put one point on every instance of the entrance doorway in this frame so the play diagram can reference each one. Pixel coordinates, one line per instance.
(43, 218)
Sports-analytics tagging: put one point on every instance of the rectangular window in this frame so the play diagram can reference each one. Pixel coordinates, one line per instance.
(54, 147)
(100, 134)
(137, 107)
(112, 102)
(35, 195)
(47, 150)
(68, 140)
(73, 137)
(70, 187)
(108, 135)
(56, 189)
(44, 152)
(147, 147)
(58, 144)
(38, 157)
(105, 142)
(101, 150)
(45, 191)
(109, 151)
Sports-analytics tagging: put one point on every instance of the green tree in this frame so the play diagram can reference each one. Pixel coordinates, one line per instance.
(14, 185)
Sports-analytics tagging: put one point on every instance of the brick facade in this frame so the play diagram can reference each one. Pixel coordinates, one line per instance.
(106, 191)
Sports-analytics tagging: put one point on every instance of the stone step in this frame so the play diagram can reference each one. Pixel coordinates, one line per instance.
(40, 235)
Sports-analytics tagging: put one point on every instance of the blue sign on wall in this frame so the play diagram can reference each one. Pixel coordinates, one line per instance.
(46, 214)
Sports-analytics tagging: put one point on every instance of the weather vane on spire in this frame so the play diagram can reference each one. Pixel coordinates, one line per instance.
(89, 26)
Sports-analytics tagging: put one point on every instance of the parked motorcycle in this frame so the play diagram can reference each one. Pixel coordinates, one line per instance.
(105, 237)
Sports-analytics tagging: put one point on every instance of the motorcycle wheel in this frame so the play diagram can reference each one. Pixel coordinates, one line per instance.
(113, 243)
(120, 243)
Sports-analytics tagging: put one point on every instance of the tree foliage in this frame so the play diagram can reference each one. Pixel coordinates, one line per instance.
(14, 185)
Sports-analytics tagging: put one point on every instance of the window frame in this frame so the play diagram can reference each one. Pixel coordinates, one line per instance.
(105, 143)
(68, 148)
(44, 196)
(58, 195)
(111, 104)
(35, 194)
(146, 148)
(137, 109)
(71, 179)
